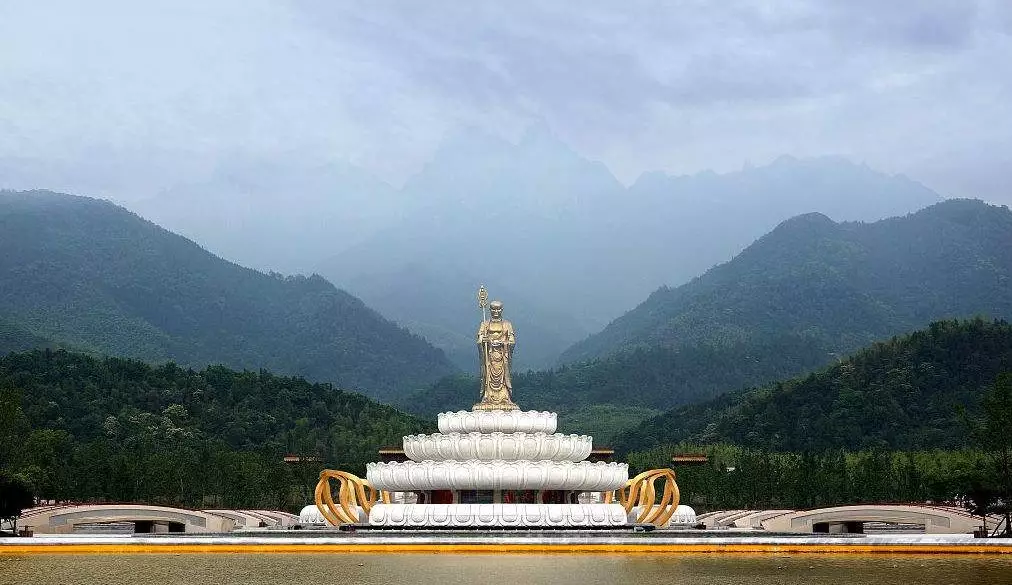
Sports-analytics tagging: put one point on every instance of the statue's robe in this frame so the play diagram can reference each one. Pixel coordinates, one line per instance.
(495, 354)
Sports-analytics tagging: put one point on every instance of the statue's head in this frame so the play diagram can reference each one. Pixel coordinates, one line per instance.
(495, 308)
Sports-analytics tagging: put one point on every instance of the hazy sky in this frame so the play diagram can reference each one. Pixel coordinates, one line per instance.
(123, 98)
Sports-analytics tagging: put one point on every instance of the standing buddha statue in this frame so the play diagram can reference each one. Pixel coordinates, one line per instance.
(495, 354)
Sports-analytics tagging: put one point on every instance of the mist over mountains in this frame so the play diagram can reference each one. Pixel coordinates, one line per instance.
(276, 214)
(86, 274)
(551, 233)
(803, 296)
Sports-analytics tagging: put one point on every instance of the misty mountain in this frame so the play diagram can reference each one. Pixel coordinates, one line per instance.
(276, 214)
(803, 296)
(442, 307)
(560, 230)
(715, 216)
(90, 275)
(905, 393)
(14, 338)
(845, 283)
(534, 216)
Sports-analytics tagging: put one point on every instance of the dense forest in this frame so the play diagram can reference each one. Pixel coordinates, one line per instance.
(736, 478)
(86, 274)
(906, 393)
(977, 477)
(77, 427)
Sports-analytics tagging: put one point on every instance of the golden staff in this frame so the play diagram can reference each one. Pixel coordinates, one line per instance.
(482, 300)
(482, 303)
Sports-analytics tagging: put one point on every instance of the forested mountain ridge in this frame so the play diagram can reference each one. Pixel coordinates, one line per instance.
(84, 428)
(91, 275)
(905, 393)
(846, 284)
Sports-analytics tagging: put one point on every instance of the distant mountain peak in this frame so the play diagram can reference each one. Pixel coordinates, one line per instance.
(540, 176)
(539, 135)
(538, 146)
(960, 204)
(785, 160)
(813, 219)
(781, 163)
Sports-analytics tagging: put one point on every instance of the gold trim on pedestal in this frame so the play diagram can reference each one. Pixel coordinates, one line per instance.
(488, 406)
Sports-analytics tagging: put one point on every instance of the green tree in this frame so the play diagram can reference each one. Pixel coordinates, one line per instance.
(980, 500)
(15, 495)
(995, 435)
(12, 425)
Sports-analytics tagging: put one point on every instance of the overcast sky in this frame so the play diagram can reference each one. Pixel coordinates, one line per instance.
(126, 97)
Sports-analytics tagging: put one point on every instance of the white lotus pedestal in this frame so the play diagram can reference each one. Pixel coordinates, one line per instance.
(496, 469)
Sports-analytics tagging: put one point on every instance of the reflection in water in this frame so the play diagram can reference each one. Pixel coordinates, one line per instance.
(448, 569)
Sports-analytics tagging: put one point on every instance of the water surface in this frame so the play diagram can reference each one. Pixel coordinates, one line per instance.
(512, 569)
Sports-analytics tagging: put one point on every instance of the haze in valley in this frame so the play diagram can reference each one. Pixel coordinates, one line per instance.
(572, 157)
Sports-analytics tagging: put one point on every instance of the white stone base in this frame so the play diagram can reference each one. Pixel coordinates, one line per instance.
(582, 476)
(497, 515)
(683, 516)
(310, 515)
(497, 421)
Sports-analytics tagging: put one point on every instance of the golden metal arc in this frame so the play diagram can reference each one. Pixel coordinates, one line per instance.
(641, 491)
(353, 492)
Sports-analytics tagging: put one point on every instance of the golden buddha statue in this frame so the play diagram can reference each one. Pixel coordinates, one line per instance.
(495, 354)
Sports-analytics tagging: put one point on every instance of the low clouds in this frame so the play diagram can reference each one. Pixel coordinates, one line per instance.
(168, 89)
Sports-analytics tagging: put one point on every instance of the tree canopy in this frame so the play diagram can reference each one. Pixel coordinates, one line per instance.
(905, 393)
(87, 428)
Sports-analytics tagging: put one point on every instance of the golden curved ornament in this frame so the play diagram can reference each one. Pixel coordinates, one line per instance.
(641, 491)
(353, 492)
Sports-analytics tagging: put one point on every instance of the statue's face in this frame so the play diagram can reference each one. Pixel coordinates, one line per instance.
(496, 312)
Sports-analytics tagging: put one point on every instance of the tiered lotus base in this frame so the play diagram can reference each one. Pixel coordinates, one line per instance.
(496, 468)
